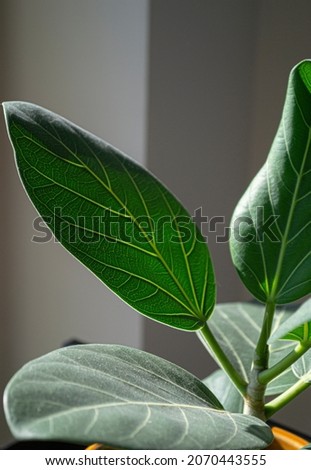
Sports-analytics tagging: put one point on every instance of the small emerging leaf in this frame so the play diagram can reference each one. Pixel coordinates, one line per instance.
(297, 327)
(113, 216)
(124, 398)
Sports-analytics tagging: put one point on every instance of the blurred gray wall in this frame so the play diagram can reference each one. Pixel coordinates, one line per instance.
(88, 62)
(192, 88)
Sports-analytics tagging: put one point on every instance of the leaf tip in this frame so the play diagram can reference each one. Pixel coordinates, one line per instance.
(304, 70)
(7, 105)
(9, 109)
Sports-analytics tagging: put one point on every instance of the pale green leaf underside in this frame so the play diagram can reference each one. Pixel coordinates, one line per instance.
(222, 387)
(270, 246)
(297, 327)
(237, 326)
(113, 216)
(124, 398)
(302, 367)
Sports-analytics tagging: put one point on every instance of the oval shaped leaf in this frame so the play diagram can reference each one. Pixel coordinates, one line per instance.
(297, 327)
(271, 225)
(124, 398)
(113, 216)
(237, 326)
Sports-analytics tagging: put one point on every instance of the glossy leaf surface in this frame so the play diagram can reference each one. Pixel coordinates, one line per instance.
(124, 398)
(237, 326)
(113, 216)
(271, 225)
(297, 327)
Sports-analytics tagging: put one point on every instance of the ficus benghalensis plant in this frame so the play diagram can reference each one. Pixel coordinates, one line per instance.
(125, 226)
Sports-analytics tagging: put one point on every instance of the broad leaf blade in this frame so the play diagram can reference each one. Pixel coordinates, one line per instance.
(113, 216)
(221, 386)
(236, 327)
(297, 327)
(124, 398)
(270, 242)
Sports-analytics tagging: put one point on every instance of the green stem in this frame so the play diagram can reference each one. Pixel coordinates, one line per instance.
(262, 349)
(267, 375)
(279, 402)
(208, 338)
(254, 402)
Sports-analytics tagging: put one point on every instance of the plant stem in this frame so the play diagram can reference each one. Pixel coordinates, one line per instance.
(279, 402)
(254, 401)
(262, 350)
(267, 375)
(208, 338)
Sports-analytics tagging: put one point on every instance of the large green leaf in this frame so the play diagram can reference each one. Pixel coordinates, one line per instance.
(125, 398)
(271, 225)
(297, 327)
(114, 216)
(237, 326)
